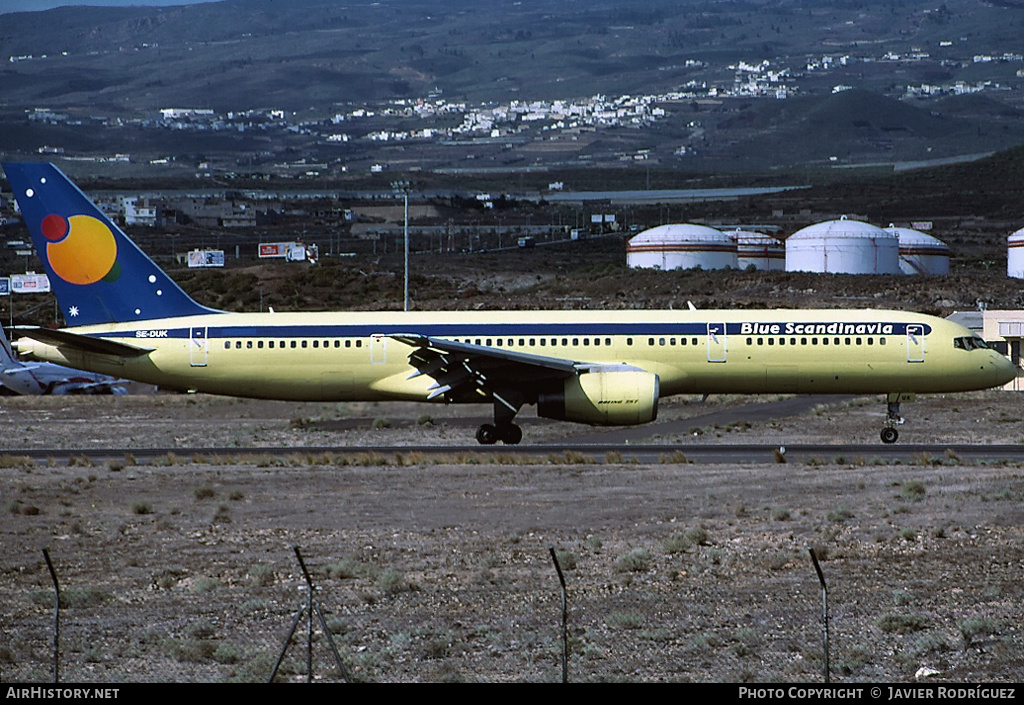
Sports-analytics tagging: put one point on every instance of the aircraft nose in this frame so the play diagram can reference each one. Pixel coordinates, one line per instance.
(1002, 370)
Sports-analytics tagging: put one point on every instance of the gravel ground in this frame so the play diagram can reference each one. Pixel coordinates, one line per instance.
(430, 569)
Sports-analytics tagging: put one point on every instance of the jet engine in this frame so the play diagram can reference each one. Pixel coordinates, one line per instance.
(603, 396)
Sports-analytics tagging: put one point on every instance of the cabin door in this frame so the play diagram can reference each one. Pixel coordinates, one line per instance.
(717, 347)
(198, 347)
(915, 342)
(378, 350)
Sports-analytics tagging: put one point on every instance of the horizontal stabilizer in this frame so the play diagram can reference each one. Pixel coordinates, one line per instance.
(83, 343)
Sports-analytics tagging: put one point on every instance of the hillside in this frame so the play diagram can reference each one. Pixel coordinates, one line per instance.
(742, 85)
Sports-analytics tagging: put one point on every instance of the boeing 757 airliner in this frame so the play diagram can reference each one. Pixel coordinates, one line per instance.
(128, 319)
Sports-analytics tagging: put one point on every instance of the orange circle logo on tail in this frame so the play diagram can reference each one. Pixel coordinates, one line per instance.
(81, 249)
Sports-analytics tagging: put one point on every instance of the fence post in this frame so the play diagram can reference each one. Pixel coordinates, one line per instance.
(824, 608)
(565, 618)
(314, 608)
(56, 616)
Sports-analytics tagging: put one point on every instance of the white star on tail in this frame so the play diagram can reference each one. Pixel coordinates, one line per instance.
(73, 311)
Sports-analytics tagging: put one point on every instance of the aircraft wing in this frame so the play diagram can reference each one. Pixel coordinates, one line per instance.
(467, 371)
(115, 387)
(83, 343)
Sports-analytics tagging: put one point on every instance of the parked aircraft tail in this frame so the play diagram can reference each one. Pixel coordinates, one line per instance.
(7, 358)
(98, 274)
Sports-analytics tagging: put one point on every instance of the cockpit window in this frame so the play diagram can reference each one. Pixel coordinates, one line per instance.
(972, 342)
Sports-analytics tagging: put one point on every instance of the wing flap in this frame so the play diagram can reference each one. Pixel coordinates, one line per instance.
(464, 370)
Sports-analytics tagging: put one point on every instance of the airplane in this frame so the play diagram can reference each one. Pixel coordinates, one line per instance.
(46, 378)
(130, 319)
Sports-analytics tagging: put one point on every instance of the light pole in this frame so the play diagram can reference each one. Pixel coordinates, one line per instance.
(402, 188)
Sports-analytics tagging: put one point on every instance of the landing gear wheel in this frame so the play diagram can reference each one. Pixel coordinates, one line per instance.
(510, 434)
(889, 435)
(487, 435)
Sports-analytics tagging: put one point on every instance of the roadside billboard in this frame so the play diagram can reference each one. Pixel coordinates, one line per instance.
(30, 283)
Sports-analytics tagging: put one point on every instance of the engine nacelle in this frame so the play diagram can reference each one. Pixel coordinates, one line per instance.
(605, 396)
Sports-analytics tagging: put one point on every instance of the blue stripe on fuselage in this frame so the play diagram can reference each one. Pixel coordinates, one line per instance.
(498, 330)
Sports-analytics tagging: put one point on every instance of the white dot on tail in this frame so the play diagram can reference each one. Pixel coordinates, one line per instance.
(152, 279)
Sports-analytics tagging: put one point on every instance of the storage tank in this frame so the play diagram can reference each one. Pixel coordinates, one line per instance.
(843, 247)
(920, 253)
(1015, 255)
(681, 246)
(759, 251)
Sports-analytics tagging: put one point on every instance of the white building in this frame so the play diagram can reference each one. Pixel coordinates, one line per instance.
(1015, 255)
(843, 247)
(920, 253)
(681, 246)
(759, 251)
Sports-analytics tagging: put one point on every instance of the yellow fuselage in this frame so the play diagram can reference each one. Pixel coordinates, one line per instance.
(350, 356)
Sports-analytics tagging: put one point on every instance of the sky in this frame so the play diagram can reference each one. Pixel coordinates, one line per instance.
(34, 5)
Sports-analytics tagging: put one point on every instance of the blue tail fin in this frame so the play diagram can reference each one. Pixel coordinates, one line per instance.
(97, 272)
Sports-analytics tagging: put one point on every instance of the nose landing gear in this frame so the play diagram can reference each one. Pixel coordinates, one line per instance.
(892, 418)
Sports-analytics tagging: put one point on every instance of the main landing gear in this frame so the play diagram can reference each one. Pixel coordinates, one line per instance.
(892, 419)
(508, 433)
(506, 406)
